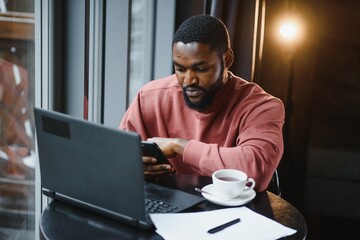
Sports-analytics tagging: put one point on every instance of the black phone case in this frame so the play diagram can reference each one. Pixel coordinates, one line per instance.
(151, 149)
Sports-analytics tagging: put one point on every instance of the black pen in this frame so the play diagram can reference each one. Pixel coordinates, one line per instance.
(223, 226)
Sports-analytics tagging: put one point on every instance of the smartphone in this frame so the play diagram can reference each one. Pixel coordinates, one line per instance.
(151, 149)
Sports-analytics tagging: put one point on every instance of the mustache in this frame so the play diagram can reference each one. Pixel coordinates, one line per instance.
(193, 87)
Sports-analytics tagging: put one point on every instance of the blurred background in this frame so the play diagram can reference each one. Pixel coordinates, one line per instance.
(17, 156)
(307, 53)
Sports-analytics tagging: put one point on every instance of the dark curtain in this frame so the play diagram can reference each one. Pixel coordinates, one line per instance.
(243, 20)
(227, 11)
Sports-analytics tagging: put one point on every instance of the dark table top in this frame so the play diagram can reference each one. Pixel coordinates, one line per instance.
(61, 221)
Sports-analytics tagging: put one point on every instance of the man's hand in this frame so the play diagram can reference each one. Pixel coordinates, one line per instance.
(152, 169)
(171, 147)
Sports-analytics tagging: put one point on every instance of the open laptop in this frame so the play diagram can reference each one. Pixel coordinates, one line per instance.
(99, 169)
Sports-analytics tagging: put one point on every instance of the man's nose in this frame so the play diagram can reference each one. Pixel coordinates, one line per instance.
(190, 78)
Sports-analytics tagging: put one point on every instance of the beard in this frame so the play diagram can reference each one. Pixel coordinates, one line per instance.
(209, 94)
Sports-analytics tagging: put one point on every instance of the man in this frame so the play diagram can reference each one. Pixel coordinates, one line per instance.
(205, 118)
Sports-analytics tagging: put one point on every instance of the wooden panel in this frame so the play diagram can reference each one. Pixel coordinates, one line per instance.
(17, 26)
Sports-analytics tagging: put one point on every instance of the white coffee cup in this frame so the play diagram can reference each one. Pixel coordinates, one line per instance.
(231, 183)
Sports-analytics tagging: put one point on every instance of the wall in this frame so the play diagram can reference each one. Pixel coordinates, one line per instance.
(325, 96)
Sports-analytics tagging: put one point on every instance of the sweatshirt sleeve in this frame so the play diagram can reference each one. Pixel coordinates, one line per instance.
(259, 146)
(133, 119)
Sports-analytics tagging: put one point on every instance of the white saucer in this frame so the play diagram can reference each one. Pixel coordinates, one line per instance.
(241, 200)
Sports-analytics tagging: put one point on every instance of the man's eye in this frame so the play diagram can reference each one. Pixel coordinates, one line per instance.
(179, 69)
(201, 69)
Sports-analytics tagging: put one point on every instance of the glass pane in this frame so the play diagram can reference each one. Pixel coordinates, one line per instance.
(141, 45)
(17, 158)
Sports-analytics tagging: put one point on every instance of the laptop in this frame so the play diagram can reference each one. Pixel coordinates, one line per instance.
(100, 169)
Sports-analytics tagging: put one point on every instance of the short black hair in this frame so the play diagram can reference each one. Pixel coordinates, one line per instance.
(205, 29)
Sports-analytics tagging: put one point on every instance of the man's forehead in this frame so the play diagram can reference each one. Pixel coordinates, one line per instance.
(191, 46)
(192, 49)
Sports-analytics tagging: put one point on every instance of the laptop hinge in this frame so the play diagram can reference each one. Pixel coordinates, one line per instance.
(48, 193)
(91, 207)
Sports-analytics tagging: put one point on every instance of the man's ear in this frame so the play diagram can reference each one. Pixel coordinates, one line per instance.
(229, 58)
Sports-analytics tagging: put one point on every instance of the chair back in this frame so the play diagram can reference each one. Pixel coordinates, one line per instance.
(274, 185)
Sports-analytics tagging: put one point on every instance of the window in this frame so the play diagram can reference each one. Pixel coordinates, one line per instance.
(95, 55)
(17, 156)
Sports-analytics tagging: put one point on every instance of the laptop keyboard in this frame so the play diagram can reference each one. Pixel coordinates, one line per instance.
(156, 206)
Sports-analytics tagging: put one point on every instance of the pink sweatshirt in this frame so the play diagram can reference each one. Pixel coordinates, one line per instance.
(242, 129)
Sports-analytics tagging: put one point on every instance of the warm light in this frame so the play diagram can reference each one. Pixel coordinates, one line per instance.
(289, 30)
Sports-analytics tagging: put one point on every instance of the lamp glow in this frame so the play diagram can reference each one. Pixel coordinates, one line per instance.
(289, 30)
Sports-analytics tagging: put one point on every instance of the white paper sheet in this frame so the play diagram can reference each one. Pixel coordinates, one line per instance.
(253, 226)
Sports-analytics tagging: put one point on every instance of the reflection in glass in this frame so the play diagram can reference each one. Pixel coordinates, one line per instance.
(17, 158)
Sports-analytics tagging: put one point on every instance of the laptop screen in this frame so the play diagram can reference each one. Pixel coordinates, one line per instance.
(90, 163)
(98, 168)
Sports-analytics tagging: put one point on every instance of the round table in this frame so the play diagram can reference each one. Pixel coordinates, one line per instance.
(62, 221)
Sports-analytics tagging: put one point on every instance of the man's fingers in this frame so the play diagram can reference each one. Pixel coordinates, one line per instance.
(158, 168)
(151, 174)
(152, 169)
(149, 160)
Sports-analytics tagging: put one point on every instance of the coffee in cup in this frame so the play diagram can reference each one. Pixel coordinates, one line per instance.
(231, 183)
